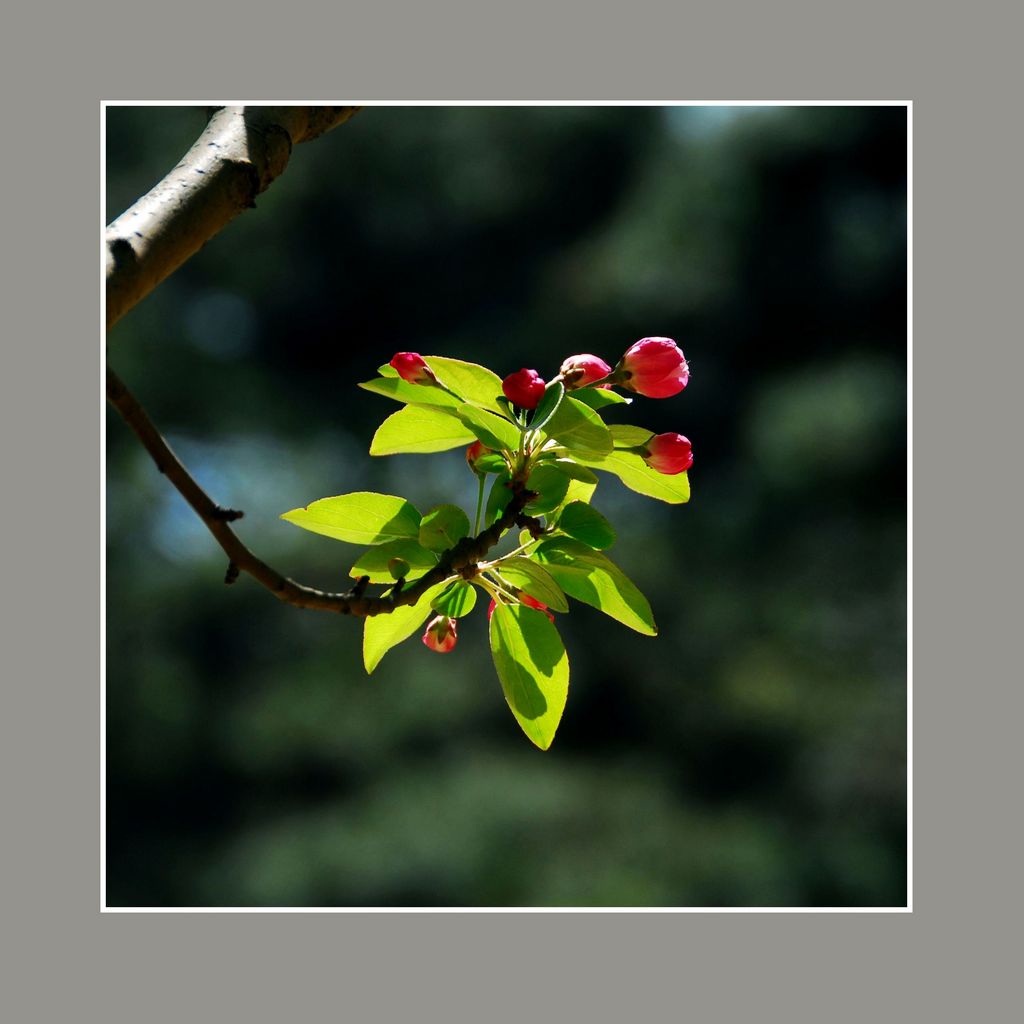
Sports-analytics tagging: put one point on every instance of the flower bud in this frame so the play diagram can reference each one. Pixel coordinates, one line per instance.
(530, 602)
(578, 371)
(398, 567)
(412, 368)
(440, 634)
(669, 454)
(475, 451)
(653, 367)
(524, 388)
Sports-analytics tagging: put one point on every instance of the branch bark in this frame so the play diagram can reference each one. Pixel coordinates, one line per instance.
(461, 559)
(241, 151)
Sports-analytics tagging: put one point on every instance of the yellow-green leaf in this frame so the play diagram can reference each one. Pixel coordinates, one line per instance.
(551, 485)
(420, 429)
(359, 518)
(500, 495)
(382, 632)
(639, 477)
(533, 579)
(626, 436)
(458, 600)
(402, 391)
(595, 579)
(548, 405)
(598, 398)
(494, 431)
(375, 561)
(586, 524)
(443, 527)
(469, 381)
(533, 669)
(579, 428)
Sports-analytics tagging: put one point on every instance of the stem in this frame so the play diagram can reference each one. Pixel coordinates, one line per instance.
(500, 590)
(479, 502)
(489, 588)
(468, 552)
(510, 554)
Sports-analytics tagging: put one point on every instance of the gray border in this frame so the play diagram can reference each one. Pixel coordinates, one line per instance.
(719, 967)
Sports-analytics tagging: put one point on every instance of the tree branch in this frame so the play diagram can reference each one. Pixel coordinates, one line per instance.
(242, 150)
(459, 560)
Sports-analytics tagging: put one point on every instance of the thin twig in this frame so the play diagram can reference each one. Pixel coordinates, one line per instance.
(462, 558)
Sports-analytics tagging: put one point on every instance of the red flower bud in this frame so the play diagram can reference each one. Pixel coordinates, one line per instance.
(654, 367)
(440, 634)
(474, 452)
(524, 388)
(530, 602)
(669, 454)
(412, 368)
(583, 369)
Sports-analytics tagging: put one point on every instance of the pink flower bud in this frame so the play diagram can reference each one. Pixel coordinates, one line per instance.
(412, 368)
(669, 454)
(524, 388)
(475, 451)
(654, 367)
(530, 602)
(440, 634)
(584, 369)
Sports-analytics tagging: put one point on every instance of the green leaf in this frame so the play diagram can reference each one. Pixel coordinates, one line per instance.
(533, 669)
(420, 429)
(582, 481)
(574, 471)
(598, 398)
(382, 632)
(387, 370)
(596, 580)
(579, 428)
(469, 381)
(639, 477)
(374, 562)
(533, 579)
(403, 391)
(456, 601)
(490, 463)
(495, 431)
(548, 405)
(630, 437)
(586, 524)
(551, 485)
(359, 518)
(500, 495)
(443, 527)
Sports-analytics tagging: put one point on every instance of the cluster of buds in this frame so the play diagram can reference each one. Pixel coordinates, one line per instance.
(653, 368)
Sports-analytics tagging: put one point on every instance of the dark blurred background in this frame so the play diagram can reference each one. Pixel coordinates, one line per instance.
(754, 753)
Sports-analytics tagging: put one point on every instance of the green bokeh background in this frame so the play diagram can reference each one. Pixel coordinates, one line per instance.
(754, 753)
